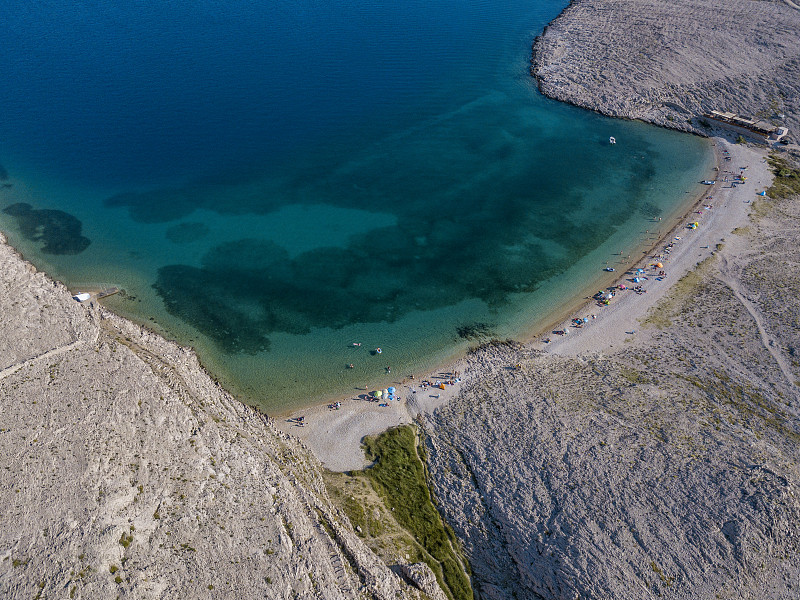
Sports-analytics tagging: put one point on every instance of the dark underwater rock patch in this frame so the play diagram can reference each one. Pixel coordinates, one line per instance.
(155, 206)
(248, 289)
(474, 331)
(59, 231)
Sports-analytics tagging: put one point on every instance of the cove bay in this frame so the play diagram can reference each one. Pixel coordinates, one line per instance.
(287, 188)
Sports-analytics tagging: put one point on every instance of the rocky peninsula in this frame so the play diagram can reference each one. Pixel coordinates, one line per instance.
(668, 63)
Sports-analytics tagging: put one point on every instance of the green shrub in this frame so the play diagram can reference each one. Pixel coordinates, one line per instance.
(399, 475)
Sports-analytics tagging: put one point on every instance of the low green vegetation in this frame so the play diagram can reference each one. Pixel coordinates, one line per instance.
(391, 508)
(399, 476)
(787, 178)
(667, 581)
(633, 376)
(753, 408)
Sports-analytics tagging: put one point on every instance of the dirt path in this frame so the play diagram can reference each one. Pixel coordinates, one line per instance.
(767, 341)
(41, 357)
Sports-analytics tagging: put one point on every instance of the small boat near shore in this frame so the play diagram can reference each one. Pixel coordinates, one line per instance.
(612, 140)
(708, 182)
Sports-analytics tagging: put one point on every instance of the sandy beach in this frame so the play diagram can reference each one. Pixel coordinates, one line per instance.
(334, 433)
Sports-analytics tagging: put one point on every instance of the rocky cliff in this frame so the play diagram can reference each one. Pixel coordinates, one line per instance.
(128, 473)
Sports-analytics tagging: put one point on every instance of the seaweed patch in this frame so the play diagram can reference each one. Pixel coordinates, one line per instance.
(58, 231)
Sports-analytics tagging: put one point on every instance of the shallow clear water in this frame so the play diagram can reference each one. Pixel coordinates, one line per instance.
(270, 184)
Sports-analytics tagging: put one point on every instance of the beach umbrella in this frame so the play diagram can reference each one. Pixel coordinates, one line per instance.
(377, 393)
(391, 390)
(659, 265)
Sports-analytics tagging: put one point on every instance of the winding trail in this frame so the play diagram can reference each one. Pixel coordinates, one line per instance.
(767, 341)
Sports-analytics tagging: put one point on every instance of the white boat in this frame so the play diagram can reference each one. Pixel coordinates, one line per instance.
(612, 140)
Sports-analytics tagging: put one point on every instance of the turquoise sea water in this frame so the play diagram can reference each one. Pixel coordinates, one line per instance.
(270, 184)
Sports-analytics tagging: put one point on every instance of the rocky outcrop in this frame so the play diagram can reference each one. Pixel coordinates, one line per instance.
(423, 577)
(668, 62)
(128, 473)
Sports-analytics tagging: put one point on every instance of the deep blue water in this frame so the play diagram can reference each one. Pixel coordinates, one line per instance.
(270, 183)
(155, 90)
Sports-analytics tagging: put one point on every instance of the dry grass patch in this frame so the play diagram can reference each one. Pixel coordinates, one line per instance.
(670, 306)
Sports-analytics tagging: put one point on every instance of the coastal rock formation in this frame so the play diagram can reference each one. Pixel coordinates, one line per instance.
(424, 579)
(668, 62)
(128, 473)
(668, 467)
